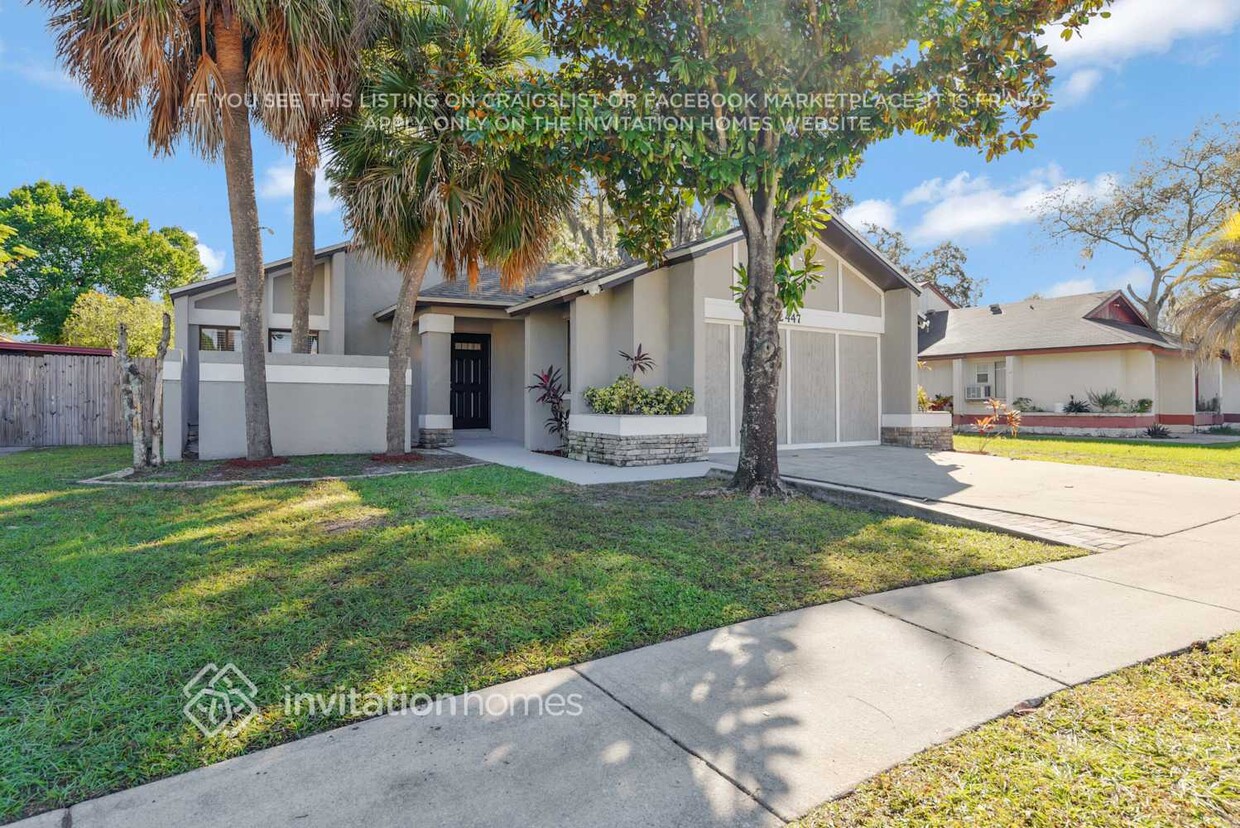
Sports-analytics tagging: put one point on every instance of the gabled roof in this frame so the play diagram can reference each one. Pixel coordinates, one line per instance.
(1068, 322)
(926, 284)
(227, 279)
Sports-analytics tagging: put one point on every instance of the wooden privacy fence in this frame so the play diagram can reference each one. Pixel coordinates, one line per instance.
(65, 400)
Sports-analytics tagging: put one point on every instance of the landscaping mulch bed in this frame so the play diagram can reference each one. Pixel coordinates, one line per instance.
(295, 468)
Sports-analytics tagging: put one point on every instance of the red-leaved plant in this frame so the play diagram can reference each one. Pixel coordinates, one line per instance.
(550, 387)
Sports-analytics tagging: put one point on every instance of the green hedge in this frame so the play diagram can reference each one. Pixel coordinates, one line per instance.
(625, 396)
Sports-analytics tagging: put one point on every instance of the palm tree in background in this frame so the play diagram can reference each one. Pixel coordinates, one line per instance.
(321, 59)
(1208, 313)
(192, 68)
(415, 189)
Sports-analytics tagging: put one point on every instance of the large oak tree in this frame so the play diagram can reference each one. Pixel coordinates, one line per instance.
(795, 92)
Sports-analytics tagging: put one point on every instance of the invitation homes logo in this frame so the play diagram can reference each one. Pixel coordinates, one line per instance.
(220, 699)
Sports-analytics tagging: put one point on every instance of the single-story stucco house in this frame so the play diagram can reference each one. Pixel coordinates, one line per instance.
(849, 378)
(1039, 354)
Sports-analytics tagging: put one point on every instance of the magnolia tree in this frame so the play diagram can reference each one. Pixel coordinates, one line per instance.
(760, 106)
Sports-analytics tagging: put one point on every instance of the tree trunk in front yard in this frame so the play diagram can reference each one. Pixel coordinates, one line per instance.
(303, 251)
(757, 470)
(131, 396)
(155, 440)
(400, 349)
(246, 232)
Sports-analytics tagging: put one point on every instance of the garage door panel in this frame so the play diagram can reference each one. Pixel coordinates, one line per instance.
(812, 360)
(716, 395)
(858, 388)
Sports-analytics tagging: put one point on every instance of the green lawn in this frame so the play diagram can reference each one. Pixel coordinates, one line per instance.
(112, 598)
(313, 465)
(1219, 460)
(1157, 744)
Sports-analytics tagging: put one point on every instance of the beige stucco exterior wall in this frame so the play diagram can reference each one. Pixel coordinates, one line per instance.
(1210, 381)
(936, 377)
(1231, 388)
(546, 343)
(1049, 379)
(899, 352)
(1176, 377)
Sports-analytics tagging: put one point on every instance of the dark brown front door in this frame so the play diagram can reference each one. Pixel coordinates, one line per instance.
(471, 381)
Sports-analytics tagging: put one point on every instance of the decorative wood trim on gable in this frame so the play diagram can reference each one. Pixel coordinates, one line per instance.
(1119, 308)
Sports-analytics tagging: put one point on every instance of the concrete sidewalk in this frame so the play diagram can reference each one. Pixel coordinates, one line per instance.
(751, 724)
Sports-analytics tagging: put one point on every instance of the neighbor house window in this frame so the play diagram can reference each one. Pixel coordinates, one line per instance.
(982, 375)
(219, 339)
(281, 342)
(1000, 389)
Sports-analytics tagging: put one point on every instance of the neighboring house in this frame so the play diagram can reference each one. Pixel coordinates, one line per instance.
(849, 373)
(1044, 352)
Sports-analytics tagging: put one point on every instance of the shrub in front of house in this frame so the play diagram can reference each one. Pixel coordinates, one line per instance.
(625, 396)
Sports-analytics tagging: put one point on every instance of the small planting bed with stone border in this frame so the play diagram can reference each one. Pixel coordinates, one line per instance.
(295, 469)
(636, 439)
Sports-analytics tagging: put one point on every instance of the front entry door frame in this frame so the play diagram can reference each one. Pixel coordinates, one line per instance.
(470, 378)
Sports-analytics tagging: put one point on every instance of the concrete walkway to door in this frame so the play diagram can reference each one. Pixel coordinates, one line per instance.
(1134, 502)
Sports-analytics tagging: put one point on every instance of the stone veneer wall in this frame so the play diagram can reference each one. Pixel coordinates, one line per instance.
(435, 437)
(935, 438)
(636, 450)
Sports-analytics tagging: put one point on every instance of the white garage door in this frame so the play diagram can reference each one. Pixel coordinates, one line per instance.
(832, 397)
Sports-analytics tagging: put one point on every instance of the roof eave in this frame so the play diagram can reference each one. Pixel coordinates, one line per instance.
(214, 282)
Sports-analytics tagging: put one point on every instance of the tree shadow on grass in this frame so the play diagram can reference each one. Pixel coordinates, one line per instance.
(433, 599)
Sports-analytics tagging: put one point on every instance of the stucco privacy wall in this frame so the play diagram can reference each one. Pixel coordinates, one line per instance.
(319, 404)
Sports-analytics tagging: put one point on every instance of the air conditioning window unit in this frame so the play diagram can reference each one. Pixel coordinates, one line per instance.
(977, 392)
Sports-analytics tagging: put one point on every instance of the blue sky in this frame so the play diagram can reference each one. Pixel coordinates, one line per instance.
(1155, 68)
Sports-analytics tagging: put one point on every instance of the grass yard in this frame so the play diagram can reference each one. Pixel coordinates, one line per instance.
(112, 598)
(1156, 744)
(1220, 460)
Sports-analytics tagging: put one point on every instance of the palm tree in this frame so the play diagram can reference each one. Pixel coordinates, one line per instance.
(321, 60)
(1209, 315)
(416, 190)
(192, 67)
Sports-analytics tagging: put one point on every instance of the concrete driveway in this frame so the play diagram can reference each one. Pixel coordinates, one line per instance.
(1146, 503)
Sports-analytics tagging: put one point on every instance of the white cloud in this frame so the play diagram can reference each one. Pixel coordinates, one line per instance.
(213, 260)
(871, 211)
(965, 206)
(277, 184)
(1138, 27)
(1135, 276)
(1079, 84)
(48, 77)
(1070, 287)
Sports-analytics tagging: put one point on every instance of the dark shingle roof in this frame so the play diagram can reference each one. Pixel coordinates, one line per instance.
(552, 277)
(1032, 324)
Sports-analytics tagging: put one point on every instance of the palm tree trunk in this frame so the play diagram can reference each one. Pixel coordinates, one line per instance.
(401, 347)
(246, 232)
(303, 251)
(757, 470)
